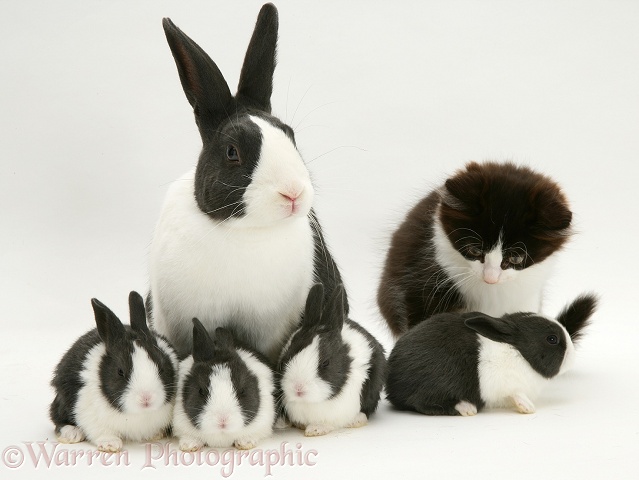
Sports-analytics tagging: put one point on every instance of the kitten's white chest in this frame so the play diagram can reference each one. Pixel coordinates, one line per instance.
(252, 279)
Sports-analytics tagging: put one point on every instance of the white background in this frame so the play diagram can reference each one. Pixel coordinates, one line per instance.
(387, 101)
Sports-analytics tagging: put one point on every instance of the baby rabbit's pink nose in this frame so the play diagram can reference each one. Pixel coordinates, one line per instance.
(299, 389)
(145, 399)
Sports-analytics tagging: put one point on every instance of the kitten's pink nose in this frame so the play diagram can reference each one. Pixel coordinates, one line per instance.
(492, 274)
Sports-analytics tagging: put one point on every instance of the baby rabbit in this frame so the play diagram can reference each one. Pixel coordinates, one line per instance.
(332, 369)
(225, 394)
(457, 363)
(115, 382)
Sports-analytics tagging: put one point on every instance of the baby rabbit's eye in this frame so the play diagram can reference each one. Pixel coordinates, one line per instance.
(552, 339)
(232, 154)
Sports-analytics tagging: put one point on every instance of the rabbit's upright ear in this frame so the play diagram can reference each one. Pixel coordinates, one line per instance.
(333, 314)
(256, 80)
(110, 328)
(137, 313)
(203, 350)
(203, 83)
(314, 306)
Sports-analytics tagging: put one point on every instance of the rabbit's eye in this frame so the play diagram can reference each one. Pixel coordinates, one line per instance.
(552, 339)
(231, 154)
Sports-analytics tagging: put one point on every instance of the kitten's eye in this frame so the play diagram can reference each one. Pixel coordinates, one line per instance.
(552, 339)
(325, 363)
(516, 260)
(231, 154)
(203, 392)
(120, 372)
(474, 251)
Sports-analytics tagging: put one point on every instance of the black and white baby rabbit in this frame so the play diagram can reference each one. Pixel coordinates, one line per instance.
(332, 369)
(225, 394)
(237, 244)
(458, 363)
(115, 382)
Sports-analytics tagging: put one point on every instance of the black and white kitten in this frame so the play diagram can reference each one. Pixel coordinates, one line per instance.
(485, 241)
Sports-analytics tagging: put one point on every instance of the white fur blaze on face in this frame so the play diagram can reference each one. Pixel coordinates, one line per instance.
(280, 185)
(300, 381)
(492, 265)
(145, 391)
(569, 356)
(222, 412)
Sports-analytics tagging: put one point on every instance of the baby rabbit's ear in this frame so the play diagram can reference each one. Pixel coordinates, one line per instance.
(202, 82)
(223, 339)
(203, 350)
(256, 79)
(333, 315)
(110, 327)
(137, 313)
(314, 306)
(497, 329)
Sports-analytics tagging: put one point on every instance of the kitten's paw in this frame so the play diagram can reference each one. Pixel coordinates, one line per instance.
(190, 444)
(317, 430)
(282, 423)
(70, 434)
(466, 409)
(523, 403)
(245, 444)
(109, 444)
(359, 421)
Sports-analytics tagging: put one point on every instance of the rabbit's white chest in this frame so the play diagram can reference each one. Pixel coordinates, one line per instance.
(253, 280)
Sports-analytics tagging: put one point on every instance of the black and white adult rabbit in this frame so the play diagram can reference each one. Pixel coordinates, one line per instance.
(457, 363)
(225, 394)
(237, 244)
(332, 369)
(115, 382)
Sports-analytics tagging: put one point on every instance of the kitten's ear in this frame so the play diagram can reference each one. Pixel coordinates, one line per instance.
(576, 316)
(550, 210)
(496, 329)
(463, 191)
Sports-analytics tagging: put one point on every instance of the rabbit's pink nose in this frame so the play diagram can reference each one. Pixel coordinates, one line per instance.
(222, 421)
(290, 196)
(299, 389)
(146, 399)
